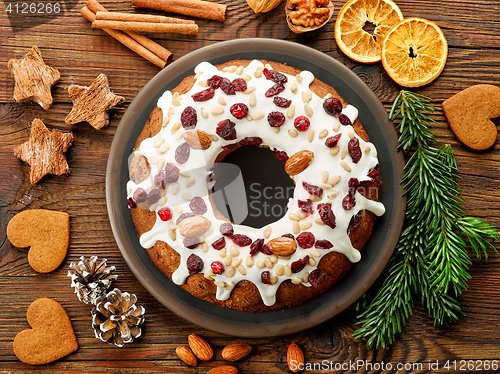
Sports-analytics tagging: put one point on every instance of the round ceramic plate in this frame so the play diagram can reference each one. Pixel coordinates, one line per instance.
(375, 255)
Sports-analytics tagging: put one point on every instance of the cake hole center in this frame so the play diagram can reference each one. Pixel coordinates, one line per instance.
(251, 187)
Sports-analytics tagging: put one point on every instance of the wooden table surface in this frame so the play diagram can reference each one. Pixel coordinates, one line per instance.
(472, 29)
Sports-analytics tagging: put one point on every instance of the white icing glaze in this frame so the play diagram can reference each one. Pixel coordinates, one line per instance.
(200, 162)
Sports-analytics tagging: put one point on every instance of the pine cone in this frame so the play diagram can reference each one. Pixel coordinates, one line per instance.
(116, 318)
(91, 279)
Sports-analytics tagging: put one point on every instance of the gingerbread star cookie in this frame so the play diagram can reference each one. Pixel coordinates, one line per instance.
(44, 151)
(92, 103)
(33, 79)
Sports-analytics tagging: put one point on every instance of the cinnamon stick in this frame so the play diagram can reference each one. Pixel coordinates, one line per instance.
(177, 28)
(134, 17)
(193, 8)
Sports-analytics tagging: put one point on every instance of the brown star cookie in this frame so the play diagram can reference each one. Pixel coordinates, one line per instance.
(92, 103)
(44, 151)
(33, 79)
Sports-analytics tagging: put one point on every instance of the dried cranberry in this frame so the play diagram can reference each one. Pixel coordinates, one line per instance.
(282, 102)
(306, 206)
(171, 173)
(274, 76)
(265, 250)
(198, 205)
(226, 229)
(332, 141)
(189, 118)
(288, 236)
(191, 243)
(305, 239)
(332, 106)
(219, 243)
(204, 95)
(354, 222)
(194, 264)
(140, 195)
(300, 264)
(323, 244)
(131, 203)
(372, 174)
(274, 90)
(344, 120)
(230, 147)
(256, 246)
(241, 240)
(326, 214)
(348, 202)
(354, 150)
(182, 153)
(265, 277)
(251, 141)
(312, 189)
(183, 216)
(165, 214)
(153, 196)
(239, 84)
(353, 185)
(214, 81)
(302, 123)
(315, 277)
(225, 129)
(226, 87)
(280, 156)
(217, 267)
(239, 110)
(276, 119)
(160, 180)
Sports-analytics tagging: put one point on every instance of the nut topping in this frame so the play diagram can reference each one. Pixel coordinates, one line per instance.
(298, 162)
(194, 226)
(282, 246)
(197, 139)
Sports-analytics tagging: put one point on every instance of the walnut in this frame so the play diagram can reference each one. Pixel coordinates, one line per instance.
(306, 15)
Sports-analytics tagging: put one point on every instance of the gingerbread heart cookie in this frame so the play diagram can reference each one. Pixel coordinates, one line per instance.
(470, 112)
(51, 335)
(46, 232)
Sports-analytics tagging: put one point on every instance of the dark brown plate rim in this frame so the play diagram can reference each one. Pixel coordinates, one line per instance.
(376, 254)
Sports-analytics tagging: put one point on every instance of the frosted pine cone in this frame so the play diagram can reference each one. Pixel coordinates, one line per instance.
(90, 278)
(116, 318)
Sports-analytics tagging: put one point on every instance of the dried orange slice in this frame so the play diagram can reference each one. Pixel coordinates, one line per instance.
(414, 52)
(352, 32)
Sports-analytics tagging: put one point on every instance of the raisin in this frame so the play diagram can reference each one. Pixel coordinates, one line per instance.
(265, 250)
(226, 87)
(198, 205)
(312, 189)
(305, 239)
(140, 195)
(354, 150)
(171, 173)
(189, 118)
(315, 277)
(239, 84)
(183, 216)
(265, 277)
(276, 119)
(165, 214)
(239, 110)
(306, 206)
(214, 81)
(300, 264)
(182, 153)
(226, 229)
(204, 95)
(281, 102)
(219, 243)
(225, 129)
(332, 106)
(302, 123)
(323, 244)
(280, 156)
(194, 264)
(326, 214)
(256, 246)
(274, 76)
(241, 240)
(354, 222)
(191, 243)
(344, 120)
(348, 202)
(153, 196)
(332, 141)
(251, 141)
(217, 267)
(160, 180)
(274, 90)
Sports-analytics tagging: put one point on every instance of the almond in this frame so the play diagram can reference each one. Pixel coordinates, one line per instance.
(282, 246)
(194, 226)
(295, 358)
(236, 351)
(298, 162)
(186, 355)
(200, 347)
(225, 369)
(197, 139)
